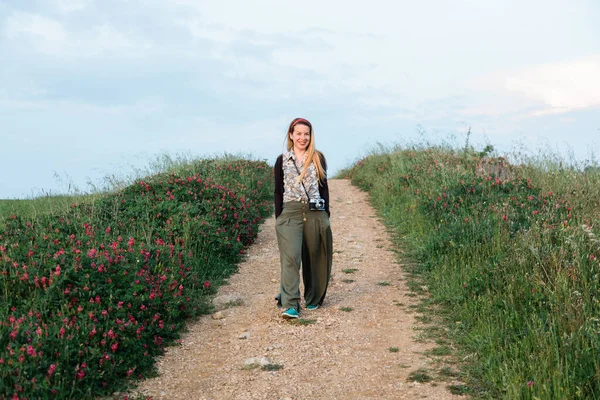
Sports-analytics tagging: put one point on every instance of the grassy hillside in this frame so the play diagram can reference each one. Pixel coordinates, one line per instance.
(93, 288)
(38, 206)
(507, 258)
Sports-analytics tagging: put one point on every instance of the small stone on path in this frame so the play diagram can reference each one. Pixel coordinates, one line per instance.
(218, 315)
(259, 361)
(244, 335)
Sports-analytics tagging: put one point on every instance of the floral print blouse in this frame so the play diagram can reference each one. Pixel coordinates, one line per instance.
(293, 190)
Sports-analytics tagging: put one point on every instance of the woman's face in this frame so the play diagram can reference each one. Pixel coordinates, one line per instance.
(300, 136)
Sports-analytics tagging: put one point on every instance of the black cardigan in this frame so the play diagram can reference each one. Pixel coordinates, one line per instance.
(278, 172)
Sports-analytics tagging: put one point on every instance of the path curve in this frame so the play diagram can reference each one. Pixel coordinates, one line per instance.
(340, 355)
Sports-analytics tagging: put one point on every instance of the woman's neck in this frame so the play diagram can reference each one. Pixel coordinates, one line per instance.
(299, 154)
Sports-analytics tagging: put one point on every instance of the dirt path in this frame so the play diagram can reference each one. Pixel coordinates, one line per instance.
(340, 355)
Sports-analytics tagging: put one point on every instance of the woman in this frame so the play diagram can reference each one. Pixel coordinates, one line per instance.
(302, 220)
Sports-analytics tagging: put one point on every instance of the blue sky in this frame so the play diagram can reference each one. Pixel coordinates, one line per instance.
(90, 88)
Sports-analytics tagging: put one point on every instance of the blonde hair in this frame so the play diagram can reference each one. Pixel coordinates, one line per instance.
(313, 156)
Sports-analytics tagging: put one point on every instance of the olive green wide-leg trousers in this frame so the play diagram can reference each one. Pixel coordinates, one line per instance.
(305, 240)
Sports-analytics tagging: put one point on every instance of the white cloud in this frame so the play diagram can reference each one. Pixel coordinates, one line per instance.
(354, 45)
(51, 37)
(106, 39)
(200, 29)
(69, 6)
(401, 49)
(568, 86)
(556, 88)
(47, 34)
(141, 107)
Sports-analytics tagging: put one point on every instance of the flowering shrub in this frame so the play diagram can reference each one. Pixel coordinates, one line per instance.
(510, 254)
(93, 295)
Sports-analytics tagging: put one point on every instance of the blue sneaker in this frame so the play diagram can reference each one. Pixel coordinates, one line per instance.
(312, 307)
(290, 313)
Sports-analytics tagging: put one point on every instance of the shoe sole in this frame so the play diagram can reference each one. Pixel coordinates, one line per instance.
(312, 309)
(289, 316)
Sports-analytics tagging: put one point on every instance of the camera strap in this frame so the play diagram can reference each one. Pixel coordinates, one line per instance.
(301, 181)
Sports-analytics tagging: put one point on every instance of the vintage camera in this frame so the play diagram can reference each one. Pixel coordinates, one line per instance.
(316, 204)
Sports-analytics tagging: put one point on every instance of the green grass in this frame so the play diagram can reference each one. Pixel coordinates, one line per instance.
(349, 270)
(449, 372)
(460, 390)
(440, 351)
(32, 208)
(272, 367)
(421, 375)
(394, 349)
(234, 303)
(504, 257)
(346, 309)
(306, 321)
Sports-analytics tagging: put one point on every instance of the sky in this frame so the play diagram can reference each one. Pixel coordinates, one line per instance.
(97, 88)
